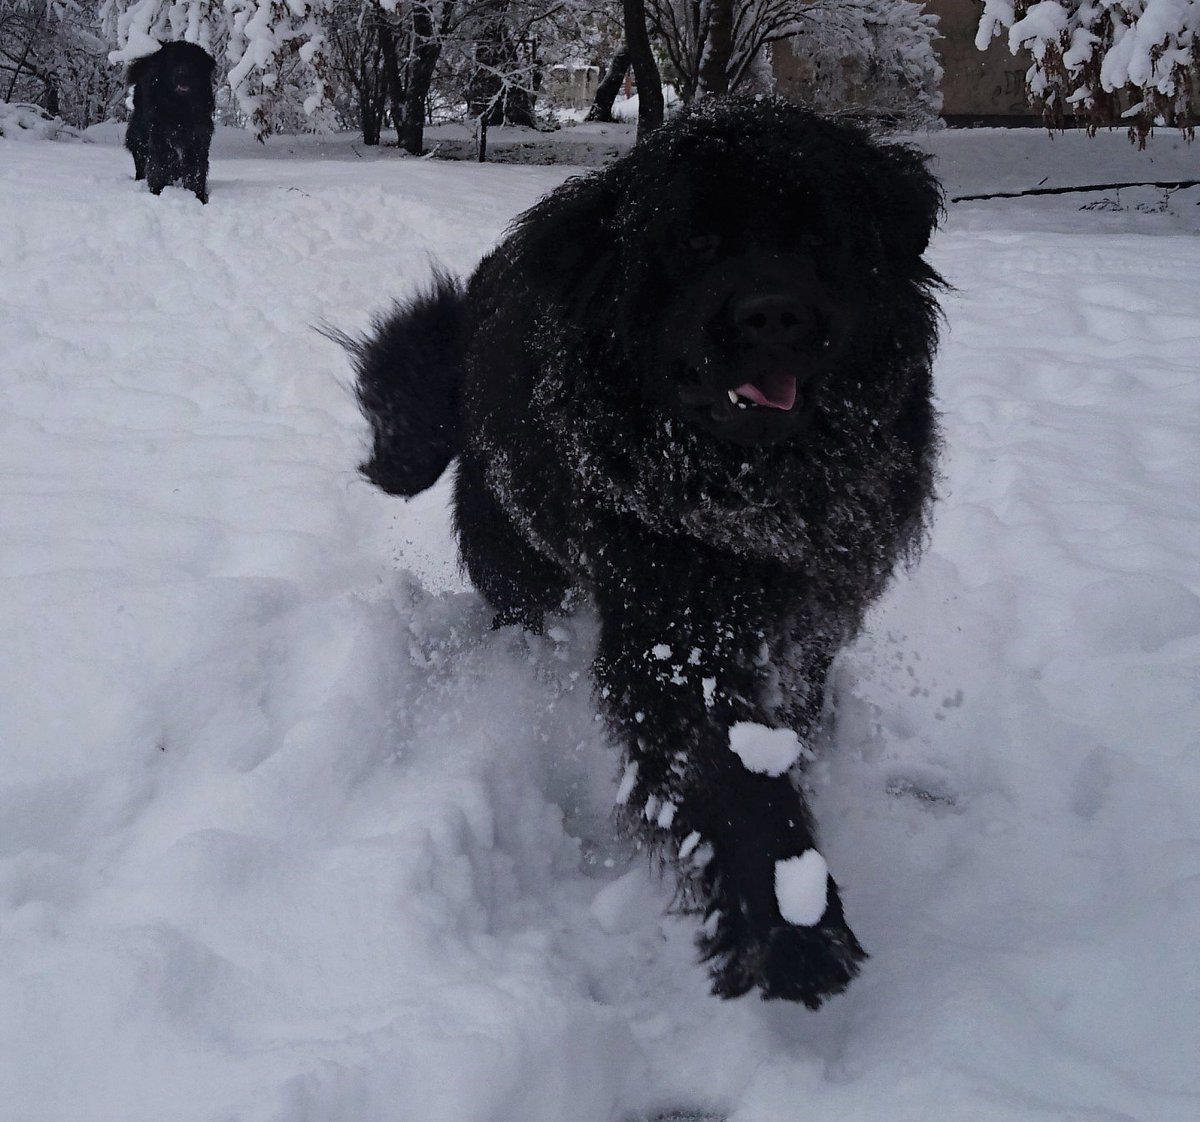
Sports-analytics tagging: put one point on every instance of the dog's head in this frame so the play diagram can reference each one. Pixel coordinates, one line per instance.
(753, 250)
(771, 250)
(177, 70)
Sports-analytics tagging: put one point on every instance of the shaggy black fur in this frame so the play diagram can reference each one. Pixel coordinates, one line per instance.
(171, 127)
(586, 376)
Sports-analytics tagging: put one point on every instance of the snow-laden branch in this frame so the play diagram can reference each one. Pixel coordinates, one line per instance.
(272, 51)
(1106, 60)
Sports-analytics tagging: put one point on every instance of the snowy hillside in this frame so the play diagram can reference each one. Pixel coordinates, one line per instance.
(288, 835)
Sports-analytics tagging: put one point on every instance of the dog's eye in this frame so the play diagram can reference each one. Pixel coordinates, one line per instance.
(703, 245)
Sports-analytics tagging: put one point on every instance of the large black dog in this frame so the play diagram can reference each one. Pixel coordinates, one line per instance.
(696, 387)
(171, 126)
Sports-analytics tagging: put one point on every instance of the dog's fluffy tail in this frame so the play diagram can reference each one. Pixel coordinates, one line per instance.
(409, 369)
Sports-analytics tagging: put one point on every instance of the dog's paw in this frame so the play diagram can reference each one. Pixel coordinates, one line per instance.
(789, 962)
(809, 964)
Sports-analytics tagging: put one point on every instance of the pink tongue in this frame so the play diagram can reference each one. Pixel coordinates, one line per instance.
(777, 391)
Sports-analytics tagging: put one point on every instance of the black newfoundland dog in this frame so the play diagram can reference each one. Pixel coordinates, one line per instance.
(171, 127)
(694, 387)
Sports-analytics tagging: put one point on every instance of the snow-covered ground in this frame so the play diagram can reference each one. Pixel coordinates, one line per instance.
(288, 835)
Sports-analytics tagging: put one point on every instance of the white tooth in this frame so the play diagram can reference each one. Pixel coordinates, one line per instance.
(733, 397)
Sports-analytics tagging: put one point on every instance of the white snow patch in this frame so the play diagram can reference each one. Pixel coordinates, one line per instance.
(628, 779)
(801, 887)
(763, 750)
(621, 904)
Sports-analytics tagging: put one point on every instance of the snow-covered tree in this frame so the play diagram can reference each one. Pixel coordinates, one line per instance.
(873, 58)
(52, 55)
(712, 45)
(504, 48)
(360, 53)
(862, 54)
(272, 51)
(383, 55)
(1106, 61)
(482, 59)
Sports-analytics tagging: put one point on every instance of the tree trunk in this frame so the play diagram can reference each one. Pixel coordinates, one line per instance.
(483, 128)
(368, 125)
(25, 55)
(485, 86)
(412, 137)
(609, 87)
(427, 48)
(713, 77)
(368, 109)
(392, 77)
(645, 69)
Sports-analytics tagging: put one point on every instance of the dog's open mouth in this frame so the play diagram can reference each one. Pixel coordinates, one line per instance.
(775, 390)
(778, 393)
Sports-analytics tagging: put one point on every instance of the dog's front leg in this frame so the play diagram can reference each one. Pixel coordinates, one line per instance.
(707, 784)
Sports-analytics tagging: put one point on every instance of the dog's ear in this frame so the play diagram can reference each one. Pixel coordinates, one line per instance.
(566, 242)
(907, 198)
(138, 69)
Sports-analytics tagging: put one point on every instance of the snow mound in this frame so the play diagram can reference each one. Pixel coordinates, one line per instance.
(19, 121)
(289, 834)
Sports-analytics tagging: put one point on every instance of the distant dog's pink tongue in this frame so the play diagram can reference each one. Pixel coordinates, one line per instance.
(775, 391)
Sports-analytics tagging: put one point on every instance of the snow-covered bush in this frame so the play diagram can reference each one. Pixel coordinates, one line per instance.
(19, 121)
(871, 57)
(1106, 61)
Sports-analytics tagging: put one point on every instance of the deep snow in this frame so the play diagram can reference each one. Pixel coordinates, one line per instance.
(288, 835)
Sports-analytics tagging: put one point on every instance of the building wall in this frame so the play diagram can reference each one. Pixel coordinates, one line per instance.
(980, 87)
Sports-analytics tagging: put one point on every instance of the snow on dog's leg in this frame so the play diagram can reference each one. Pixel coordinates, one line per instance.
(707, 786)
(773, 915)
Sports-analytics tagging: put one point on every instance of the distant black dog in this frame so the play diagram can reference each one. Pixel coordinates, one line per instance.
(695, 386)
(171, 127)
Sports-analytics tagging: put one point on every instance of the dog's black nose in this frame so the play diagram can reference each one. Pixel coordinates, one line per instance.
(775, 320)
